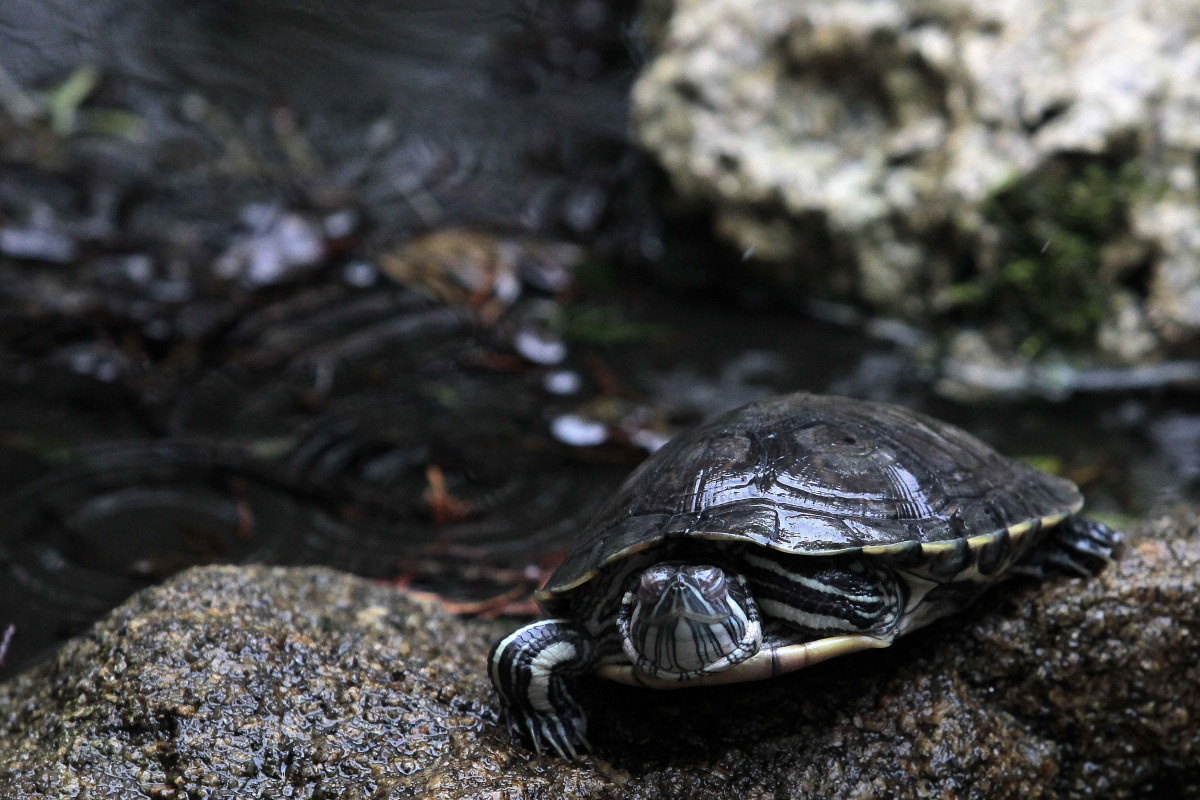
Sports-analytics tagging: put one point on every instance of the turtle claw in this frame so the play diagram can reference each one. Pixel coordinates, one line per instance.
(531, 669)
(545, 733)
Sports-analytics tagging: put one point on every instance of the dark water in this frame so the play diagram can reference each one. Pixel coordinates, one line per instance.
(510, 114)
(156, 412)
(102, 497)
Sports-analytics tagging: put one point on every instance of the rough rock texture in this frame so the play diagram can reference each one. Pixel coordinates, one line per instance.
(1030, 165)
(237, 682)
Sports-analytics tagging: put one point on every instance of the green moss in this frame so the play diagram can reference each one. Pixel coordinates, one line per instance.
(1048, 287)
(65, 99)
(1046, 463)
(606, 325)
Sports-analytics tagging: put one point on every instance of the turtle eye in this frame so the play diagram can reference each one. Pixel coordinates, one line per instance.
(654, 581)
(710, 580)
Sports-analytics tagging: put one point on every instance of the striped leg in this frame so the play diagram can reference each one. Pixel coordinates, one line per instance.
(1077, 545)
(821, 597)
(528, 669)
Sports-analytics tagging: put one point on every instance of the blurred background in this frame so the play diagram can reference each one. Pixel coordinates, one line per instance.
(407, 287)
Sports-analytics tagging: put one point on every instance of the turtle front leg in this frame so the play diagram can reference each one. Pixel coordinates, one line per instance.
(1077, 545)
(529, 668)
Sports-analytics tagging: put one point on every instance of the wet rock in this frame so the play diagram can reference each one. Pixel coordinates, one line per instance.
(40, 240)
(228, 682)
(1024, 169)
(279, 246)
(309, 683)
(578, 431)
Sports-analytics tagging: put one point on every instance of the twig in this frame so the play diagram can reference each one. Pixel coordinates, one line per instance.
(4, 642)
(515, 601)
(445, 508)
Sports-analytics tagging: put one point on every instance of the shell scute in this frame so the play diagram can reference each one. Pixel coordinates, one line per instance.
(821, 475)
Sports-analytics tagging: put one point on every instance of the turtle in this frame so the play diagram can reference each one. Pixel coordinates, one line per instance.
(786, 532)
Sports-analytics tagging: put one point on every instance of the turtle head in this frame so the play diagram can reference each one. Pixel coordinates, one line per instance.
(683, 620)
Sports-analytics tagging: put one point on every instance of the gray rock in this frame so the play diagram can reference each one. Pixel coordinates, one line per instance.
(237, 682)
(949, 157)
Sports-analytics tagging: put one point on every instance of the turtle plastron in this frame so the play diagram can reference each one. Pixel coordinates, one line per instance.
(768, 662)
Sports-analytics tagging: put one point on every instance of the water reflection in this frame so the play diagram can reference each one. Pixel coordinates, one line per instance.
(269, 319)
(435, 458)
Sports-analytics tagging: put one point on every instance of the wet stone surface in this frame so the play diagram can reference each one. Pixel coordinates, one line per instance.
(308, 683)
(975, 168)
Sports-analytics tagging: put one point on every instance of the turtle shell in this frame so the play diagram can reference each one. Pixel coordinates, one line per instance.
(820, 475)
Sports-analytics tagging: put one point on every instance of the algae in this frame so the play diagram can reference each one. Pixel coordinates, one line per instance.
(1049, 282)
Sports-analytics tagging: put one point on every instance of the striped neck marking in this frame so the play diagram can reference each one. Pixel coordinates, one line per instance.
(681, 620)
